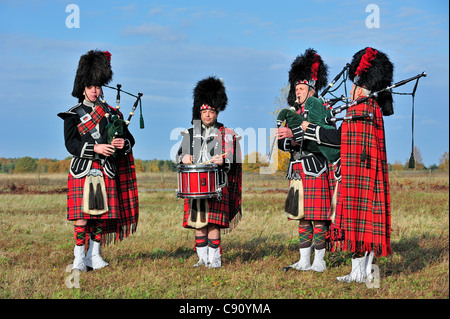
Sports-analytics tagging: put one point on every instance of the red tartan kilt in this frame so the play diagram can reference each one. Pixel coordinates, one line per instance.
(316, 194)
(331, 180)
(218, 213)
(75, 197)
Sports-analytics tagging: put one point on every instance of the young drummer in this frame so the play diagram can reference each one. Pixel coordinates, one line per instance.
(210, 141)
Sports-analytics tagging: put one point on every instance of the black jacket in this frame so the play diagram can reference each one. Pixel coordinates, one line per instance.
(82, 147)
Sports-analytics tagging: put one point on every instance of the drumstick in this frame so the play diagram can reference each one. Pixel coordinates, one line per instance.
(212, 159)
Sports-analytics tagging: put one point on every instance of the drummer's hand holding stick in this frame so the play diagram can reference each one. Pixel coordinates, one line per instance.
(217, 159)
(187, 159)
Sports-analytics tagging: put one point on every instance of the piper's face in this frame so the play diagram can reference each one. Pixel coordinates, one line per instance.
(91, 93)
(355, 92)
(208, 117)
(303, 92)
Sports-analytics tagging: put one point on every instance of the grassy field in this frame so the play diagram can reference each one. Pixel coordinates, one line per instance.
(36, 246)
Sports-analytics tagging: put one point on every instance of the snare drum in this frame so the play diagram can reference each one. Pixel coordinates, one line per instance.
(198, 181)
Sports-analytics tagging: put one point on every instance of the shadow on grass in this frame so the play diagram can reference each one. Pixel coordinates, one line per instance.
(417, 253)
(157, 254)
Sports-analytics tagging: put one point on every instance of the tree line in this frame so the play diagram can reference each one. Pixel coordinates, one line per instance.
(45, 165)
(252, 163)
(283, 161)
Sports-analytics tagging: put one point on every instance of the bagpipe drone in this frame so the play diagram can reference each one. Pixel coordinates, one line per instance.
(116, 126)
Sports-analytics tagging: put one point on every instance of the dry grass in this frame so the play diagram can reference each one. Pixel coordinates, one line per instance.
(36, 245)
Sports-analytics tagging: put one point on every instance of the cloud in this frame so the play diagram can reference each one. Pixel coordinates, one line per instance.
(164, 33)
(406, 12)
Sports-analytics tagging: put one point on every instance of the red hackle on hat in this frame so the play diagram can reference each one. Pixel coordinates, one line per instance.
(366, 60)
(108, 55)
(315, 67)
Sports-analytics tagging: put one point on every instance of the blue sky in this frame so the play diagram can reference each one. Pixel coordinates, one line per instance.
(162, 48)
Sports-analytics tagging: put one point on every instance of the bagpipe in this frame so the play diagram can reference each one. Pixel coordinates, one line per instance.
(314, 112)
(315, 115)
(374, 95)
(116, 126)
(293, 119)
(332, 83)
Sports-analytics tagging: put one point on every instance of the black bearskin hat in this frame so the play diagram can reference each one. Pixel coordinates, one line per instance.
(372, 70)
(94, 68)
(209, 93)
(309, 69)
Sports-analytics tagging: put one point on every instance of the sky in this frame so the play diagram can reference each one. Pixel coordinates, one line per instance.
(163, 48)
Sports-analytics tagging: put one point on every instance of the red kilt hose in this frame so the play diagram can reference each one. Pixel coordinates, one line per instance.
(316, 194)
(363, 211)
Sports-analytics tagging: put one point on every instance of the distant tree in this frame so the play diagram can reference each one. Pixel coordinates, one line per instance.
(53, 167)
(397, 166)
(164, 167)
(281, 103)
(25, 165)
(43, 164)
(443, 162)
(252, 162)
(172, 166)
(153, 166)
(139, 167)
(62, 166)
(7, 165)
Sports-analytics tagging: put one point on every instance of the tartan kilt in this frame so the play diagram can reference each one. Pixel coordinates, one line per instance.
(332, 182)
(122, 216)
(316, 194)
(363, 212)
(227, 211)
(127, 194)
(75, 197)
(333, 235)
